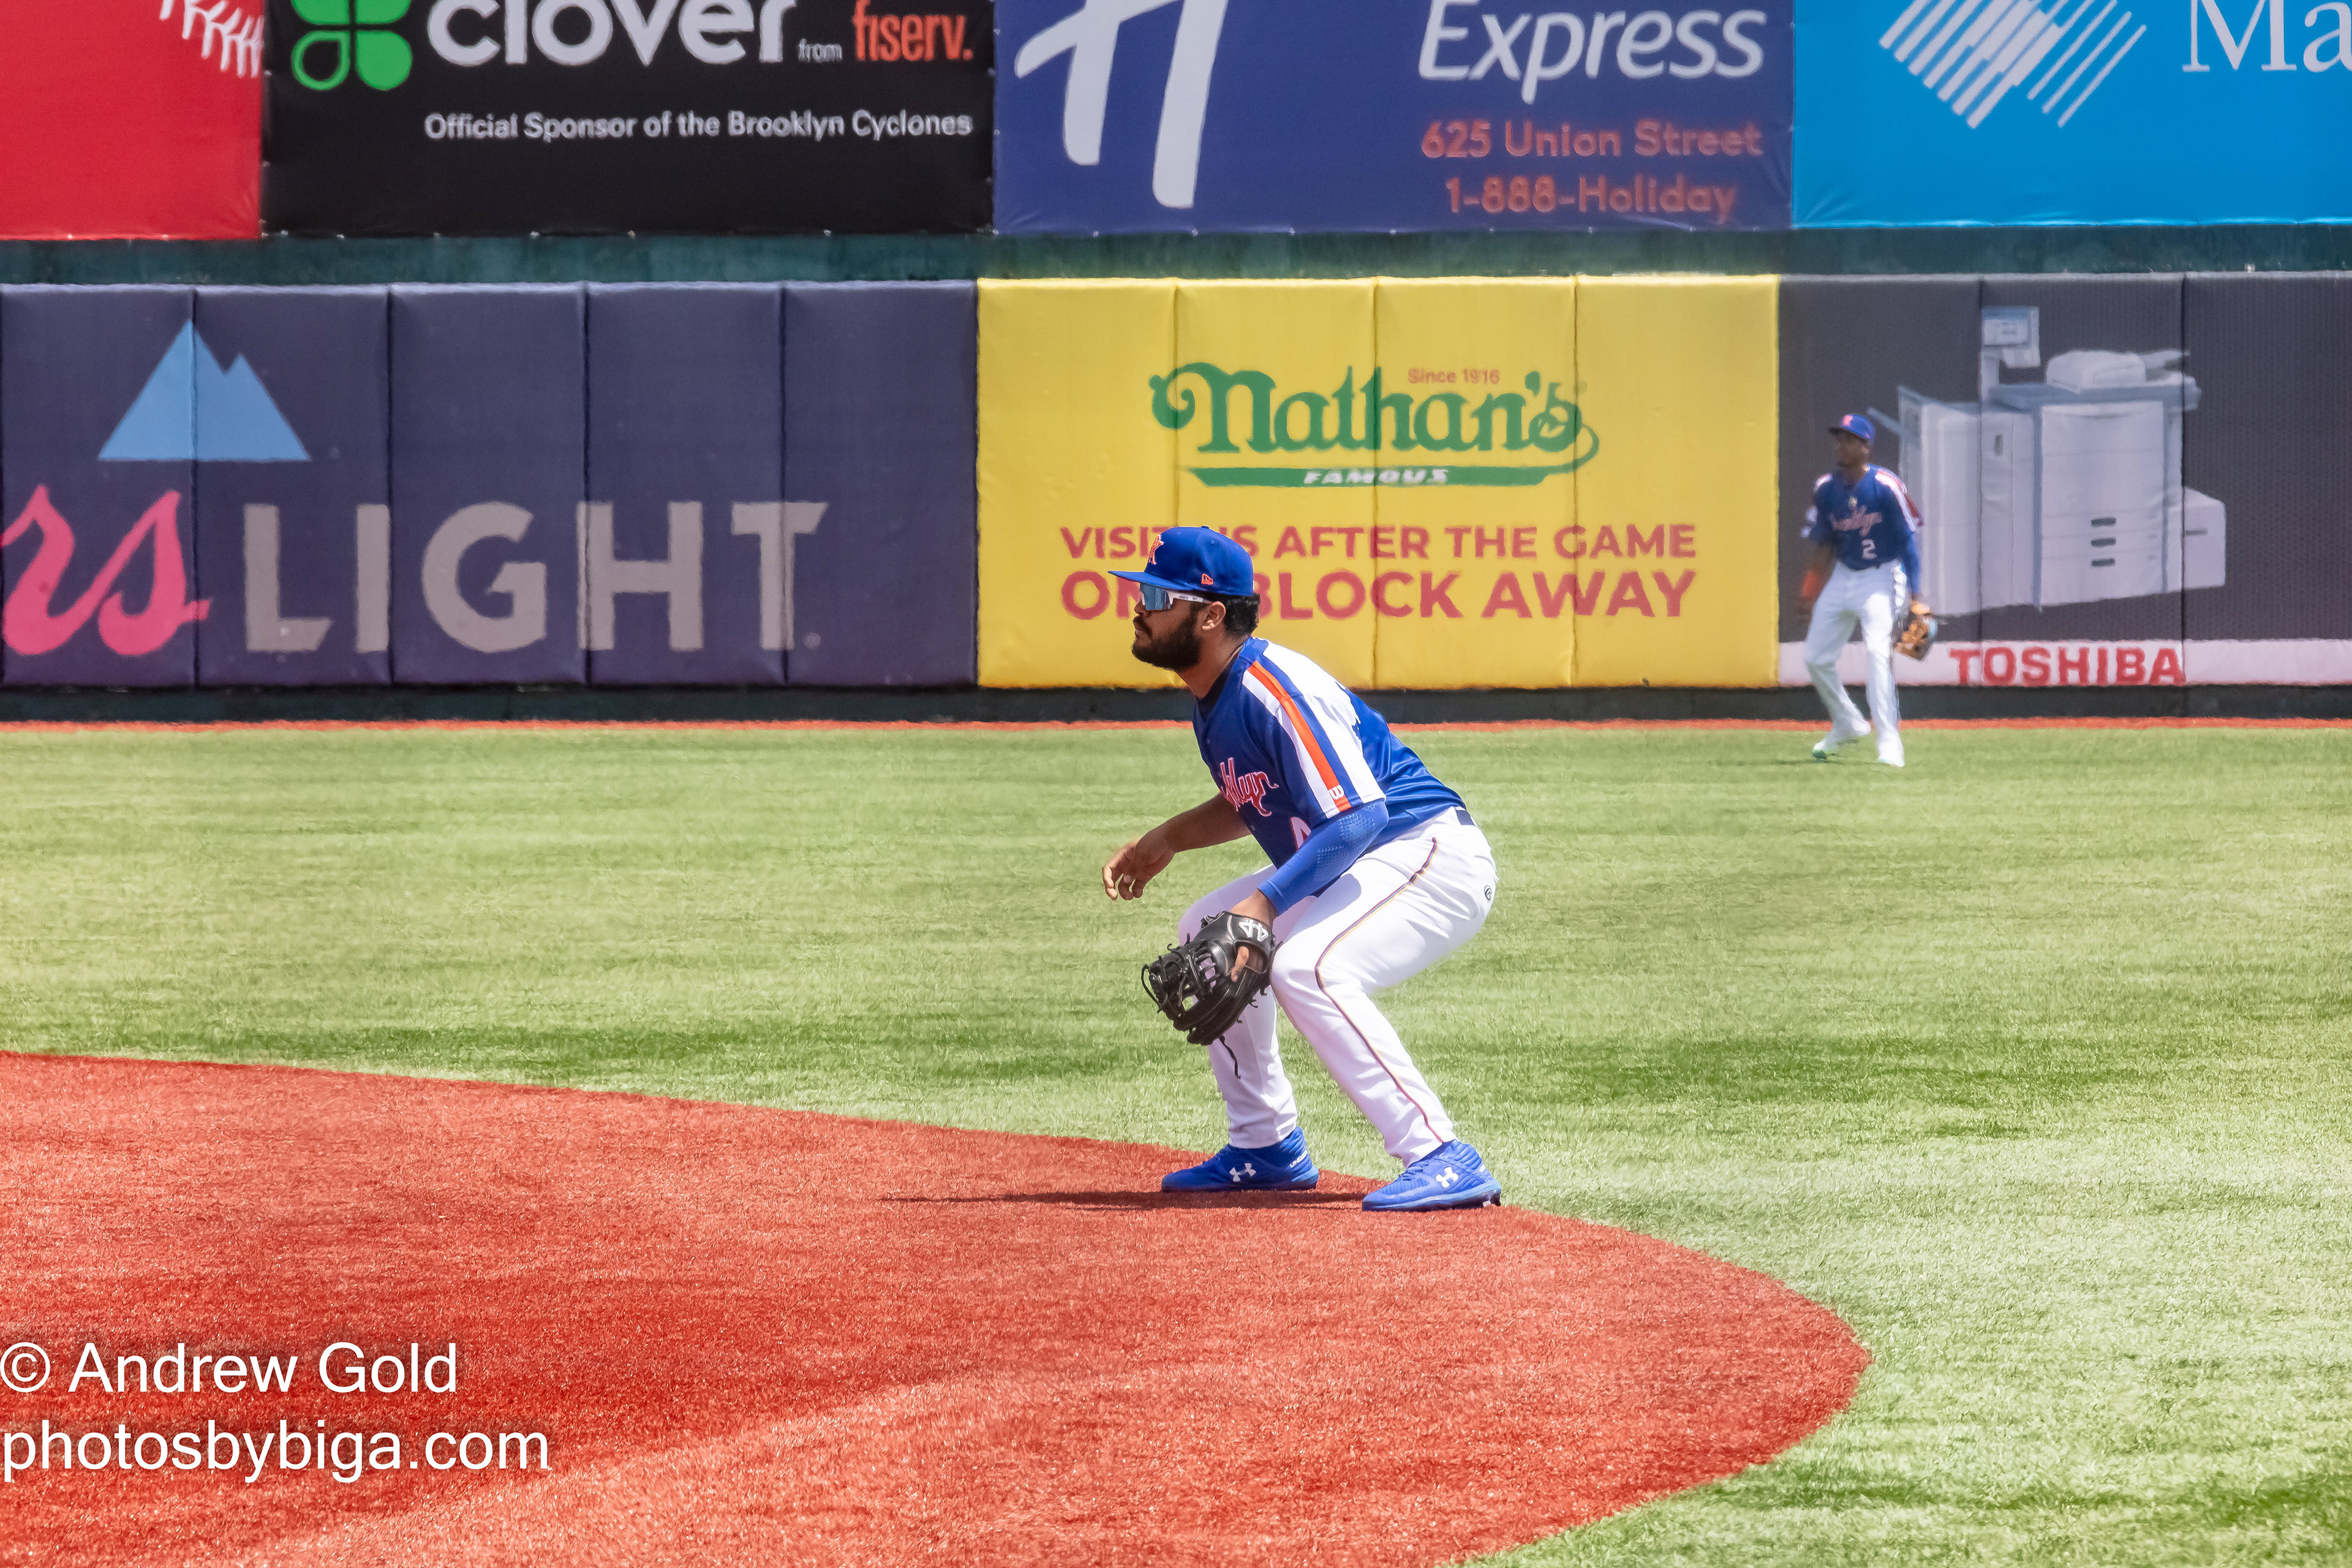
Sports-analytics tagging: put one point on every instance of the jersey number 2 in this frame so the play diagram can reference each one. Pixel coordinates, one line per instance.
(1869, 548)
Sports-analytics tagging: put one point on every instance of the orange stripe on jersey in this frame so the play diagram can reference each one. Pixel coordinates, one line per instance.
(1299, 727)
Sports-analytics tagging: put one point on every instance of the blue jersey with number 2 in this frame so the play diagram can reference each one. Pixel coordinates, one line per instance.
(1868, 523)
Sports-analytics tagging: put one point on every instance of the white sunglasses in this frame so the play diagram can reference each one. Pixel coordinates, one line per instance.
(1156, 598)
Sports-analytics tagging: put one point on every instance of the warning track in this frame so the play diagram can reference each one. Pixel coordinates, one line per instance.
(758, 1336)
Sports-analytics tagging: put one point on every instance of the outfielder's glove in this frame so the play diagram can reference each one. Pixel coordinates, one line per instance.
(1202, 984)
(1915, 634)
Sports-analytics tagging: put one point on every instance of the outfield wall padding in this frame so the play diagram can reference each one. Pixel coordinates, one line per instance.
(686, 429)
(488, 472)
(2125, 480)
(879, 430)
(1443, 482)
(98, 396)
(2144, 472)
(2274, 355)
(292, 545)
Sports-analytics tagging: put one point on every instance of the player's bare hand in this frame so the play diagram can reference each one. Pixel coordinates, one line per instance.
(1126, 874)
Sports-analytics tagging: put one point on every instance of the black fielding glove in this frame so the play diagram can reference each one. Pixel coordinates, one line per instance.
(1202, 984)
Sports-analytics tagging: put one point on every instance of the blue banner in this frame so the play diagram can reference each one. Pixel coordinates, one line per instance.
(2065, 111)
(1120, 116)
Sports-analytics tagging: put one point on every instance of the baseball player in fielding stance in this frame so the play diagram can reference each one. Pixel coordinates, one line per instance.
(1376, 872)
(1862, 520)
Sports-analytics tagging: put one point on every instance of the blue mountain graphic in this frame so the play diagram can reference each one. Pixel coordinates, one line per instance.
(191, 409)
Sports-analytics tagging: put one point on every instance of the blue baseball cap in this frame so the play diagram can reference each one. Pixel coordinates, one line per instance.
(1197, 561)
(1855, 424)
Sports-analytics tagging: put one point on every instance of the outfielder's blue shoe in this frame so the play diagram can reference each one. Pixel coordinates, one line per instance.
(1450, 1176)
(1281, 1167)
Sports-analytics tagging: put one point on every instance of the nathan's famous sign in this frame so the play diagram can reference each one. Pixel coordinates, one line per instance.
(1428, 437)
(1441, 481)
(1366, 419)
(588, 116)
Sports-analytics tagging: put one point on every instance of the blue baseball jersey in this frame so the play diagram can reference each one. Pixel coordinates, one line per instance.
(1869, 522)
(1291, 749)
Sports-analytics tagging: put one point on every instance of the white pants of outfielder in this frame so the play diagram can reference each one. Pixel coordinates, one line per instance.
(1867, 598)
(1397, 910)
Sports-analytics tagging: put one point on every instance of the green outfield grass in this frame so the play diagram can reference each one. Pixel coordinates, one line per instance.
(2031, 1060)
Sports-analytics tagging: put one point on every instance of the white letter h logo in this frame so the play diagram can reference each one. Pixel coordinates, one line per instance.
(1088, 35)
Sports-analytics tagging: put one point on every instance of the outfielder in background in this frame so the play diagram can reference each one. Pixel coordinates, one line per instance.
(1375, 872)
(1865, 562)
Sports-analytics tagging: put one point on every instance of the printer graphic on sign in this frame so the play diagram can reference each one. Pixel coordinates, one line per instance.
(2062, 491)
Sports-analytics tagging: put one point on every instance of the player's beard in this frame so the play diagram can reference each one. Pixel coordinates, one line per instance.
(1178, 647)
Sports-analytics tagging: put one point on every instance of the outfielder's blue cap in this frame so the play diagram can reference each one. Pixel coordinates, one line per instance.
(1197, 561)
(1855, 424)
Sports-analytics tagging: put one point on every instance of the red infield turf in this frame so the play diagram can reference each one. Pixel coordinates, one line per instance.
(757, 1336)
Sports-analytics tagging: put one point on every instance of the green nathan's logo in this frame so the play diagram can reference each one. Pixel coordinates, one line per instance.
(1366, 419)
(351, 41)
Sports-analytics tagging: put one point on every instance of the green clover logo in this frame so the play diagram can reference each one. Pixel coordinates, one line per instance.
(382, 59)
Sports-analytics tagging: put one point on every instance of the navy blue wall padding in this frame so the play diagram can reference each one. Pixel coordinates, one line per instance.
(318, 357)
(81, 368)
(686, 388)
(2271, 442)
(488, 442)
(880, 425)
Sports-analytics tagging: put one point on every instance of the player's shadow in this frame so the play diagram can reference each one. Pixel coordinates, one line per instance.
(1130, 1200)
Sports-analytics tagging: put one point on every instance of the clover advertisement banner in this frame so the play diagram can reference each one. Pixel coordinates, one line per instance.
(2062, 111)
(1513, 482)
(490, 116)
(1140, 115)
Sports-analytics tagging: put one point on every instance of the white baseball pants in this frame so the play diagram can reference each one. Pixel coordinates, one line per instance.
(1397, 909)
(1867, 598)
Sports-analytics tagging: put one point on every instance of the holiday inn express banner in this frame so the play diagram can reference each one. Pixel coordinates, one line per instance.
(1443, 482)
(1389, 114)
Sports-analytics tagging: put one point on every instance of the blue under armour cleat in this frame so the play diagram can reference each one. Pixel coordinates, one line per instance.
(1450, 1176)
(1282, 1167)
